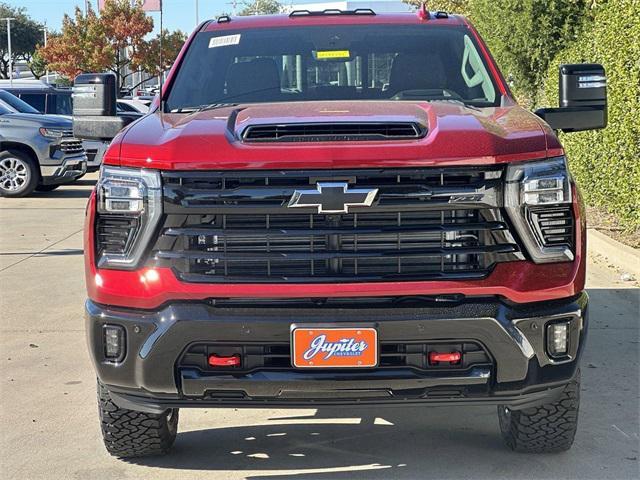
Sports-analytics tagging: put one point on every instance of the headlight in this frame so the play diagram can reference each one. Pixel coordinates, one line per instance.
(51, 132)
(129, 207)
(538, 201)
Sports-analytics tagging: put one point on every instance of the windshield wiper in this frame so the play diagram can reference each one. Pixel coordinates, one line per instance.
(201, 108)
(213, 106)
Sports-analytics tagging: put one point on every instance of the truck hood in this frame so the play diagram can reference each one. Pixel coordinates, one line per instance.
(455, 134)
(41, 120)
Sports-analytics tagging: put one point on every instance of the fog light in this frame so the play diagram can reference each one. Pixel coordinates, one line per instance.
(113, 342)
(558, 339)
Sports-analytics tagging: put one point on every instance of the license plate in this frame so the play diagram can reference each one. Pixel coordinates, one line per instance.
(334, 347)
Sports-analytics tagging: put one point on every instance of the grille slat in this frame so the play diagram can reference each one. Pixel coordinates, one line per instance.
(115, 233)
(458, 232)
(246, 256)
(71, 145)
(554, 226)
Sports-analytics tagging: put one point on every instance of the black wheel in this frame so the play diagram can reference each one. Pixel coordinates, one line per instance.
(19, 174)
(128, 433)
(46, 188)
(548, 428)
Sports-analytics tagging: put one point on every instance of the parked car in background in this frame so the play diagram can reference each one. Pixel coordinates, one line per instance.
(130, 105)
(37, 152)
(144, 99)
(94, 149)
(43, 97)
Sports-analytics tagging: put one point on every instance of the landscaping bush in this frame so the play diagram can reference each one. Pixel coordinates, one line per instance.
(606, 163)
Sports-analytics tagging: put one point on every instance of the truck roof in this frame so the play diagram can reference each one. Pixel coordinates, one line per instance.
(332, 17)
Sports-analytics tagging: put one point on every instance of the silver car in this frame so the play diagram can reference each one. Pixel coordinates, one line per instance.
(37, 152)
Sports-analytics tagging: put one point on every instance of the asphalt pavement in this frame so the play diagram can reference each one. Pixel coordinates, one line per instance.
(49, 421)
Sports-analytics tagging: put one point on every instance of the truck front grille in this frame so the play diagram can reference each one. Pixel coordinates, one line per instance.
(71, 145)
(424, 224)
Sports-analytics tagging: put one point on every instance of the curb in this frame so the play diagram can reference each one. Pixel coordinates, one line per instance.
(623, 257)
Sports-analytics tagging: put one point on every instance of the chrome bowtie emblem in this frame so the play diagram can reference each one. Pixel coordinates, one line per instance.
(332, 197)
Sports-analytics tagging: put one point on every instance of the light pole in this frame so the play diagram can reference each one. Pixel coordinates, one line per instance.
(44, 29)
(9, 48)
(234, 5)
(197, 14)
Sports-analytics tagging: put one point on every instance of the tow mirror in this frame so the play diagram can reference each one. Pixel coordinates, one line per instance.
(94, 107)
(583, 99)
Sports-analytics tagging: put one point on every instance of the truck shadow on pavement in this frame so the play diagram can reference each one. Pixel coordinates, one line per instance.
(77, 189)
(437, 442)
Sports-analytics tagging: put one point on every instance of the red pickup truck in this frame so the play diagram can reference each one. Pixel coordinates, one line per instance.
(337, 208)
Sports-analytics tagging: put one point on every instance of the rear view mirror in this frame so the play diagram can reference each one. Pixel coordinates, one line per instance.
(583, 99)
(94, 107)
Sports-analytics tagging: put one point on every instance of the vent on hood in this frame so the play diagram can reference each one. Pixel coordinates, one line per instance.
(333, 132)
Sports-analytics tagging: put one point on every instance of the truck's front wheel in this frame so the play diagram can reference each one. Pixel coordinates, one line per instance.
(547, 428)
(129, 433)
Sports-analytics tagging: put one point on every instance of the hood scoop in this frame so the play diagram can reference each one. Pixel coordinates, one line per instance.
(333, 132)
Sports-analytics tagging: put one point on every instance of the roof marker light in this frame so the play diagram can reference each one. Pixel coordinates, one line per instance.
(423, 13)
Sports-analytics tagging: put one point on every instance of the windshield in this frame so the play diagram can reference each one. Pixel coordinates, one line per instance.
(15, 103)
(329, 62)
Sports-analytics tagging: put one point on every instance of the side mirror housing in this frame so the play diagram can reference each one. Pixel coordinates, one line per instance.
(583, 99)
(94, 107)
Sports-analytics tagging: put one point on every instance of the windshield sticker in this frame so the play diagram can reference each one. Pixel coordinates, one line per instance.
(224, 41)
(329, 54)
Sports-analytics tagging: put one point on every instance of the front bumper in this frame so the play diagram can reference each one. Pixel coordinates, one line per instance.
(71, 168)
(95, 151)
(519, 375)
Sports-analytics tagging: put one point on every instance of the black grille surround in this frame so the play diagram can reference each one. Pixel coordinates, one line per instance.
(425, 224)
(115, 234)
(553, 226)
(277, 356)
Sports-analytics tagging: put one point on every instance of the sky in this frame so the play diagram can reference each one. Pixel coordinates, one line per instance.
(178, 14)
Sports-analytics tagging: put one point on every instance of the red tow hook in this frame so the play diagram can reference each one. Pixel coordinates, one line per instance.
(452, 357)
(219, 361)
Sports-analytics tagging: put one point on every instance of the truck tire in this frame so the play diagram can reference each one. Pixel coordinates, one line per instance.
(548, 428)
(129, 433)
(19, 174)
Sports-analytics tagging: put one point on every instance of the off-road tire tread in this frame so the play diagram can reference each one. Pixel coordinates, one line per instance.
(129, 433)
(548, 428)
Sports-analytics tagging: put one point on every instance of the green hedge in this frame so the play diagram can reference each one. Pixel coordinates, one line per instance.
(606, 163)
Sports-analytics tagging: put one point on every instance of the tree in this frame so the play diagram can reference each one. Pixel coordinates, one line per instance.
(261, 7)
(525, 35)
(114, 41)
(124, 26)
(81, 47)
(37, 65)
(148, 58)
(25, 36)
